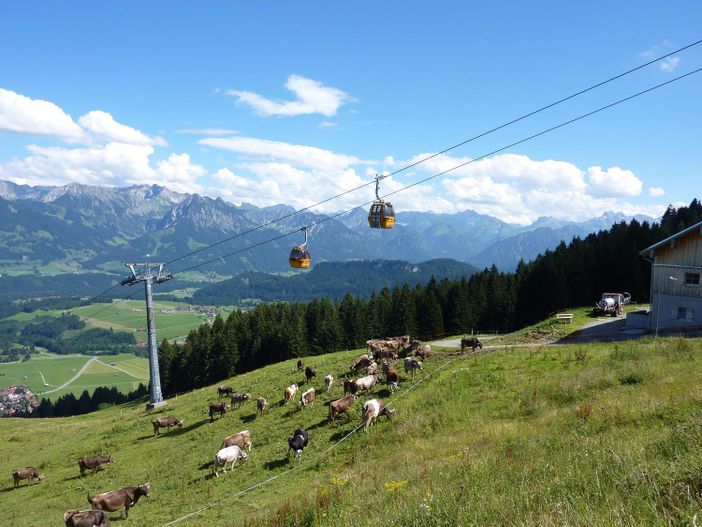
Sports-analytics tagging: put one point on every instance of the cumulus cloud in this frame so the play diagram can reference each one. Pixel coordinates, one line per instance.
(656, 192)
(312, 97)
(103, 126)
(613, 182)
(21, 114)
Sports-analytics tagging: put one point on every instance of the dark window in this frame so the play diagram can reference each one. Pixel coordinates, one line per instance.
(686, 313)
(692, 278)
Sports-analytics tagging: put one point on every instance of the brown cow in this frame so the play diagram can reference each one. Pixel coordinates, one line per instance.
(93, 463)
(239, 398)
(349, 386)
(300, 365)
(470, 342)
(86, 519)
(116, 499)
(391, 377)
(224, 390)
(362, 361)
(241, 439)
(307, 398)
(165, 421)
(28, 473)
(261, 405)
(218, 407)
(340, 406)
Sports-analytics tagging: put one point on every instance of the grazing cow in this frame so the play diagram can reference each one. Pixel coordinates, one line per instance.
(350, 386)
(297, 442)
(423, 352)
(28, 473)
(230, 454)
(261, 405)
(165, 421)
(362, 361)
(309, 373)
(88, 518)
(340, 406)
(241, 439)
(224, 390)
(372, 410)
(328, 382)
(366, 383)
(93, 463)
(300, 365)
(307, 397)
(240, 398)
(218, 407)
(116, 499)
(391, 377)
(290, 392)
(470, 342)
(412, 365)
(372, 368)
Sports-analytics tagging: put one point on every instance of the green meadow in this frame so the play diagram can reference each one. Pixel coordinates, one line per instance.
(598, 434)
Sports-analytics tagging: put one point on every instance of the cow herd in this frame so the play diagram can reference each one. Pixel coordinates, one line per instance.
(381, 358)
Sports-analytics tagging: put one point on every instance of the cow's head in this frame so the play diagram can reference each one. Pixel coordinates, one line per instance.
(145, 489)
(40, 477)
(179, 423)
(110, 460)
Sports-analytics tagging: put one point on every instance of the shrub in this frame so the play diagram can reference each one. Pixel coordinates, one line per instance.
(630, 378)
(583, 411)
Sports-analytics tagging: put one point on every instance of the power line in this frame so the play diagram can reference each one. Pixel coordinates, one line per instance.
(448, 149)
(456, 167)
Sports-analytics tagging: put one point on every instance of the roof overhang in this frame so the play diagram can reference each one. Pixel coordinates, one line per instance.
(650, 251)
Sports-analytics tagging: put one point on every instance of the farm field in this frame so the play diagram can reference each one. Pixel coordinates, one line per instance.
(55, 370)
(597, 434)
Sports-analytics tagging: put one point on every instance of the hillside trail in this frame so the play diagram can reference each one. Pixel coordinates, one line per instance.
(120, 369)
(72, 379)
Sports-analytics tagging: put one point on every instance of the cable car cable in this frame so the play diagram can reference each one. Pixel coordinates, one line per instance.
(432, 156)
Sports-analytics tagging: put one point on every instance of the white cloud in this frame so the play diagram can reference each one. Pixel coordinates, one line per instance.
(670, 63)
(208, 131)
(656, 192)
(103, 126)
(327, 124)
(23, 115)
(312, 97)
(613, 182)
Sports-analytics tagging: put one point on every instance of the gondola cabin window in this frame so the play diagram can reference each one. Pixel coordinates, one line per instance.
(381, 215)
(692, 278)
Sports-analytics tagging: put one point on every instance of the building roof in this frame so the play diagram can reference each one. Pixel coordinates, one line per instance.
(655, 246)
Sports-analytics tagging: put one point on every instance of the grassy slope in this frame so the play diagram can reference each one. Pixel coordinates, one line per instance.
(596, 435)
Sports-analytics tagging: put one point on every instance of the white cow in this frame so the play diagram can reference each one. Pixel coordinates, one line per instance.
(328, 381)
(372, 409)
(290, 392)
(366, 383)
(230, 454)
(307, 397)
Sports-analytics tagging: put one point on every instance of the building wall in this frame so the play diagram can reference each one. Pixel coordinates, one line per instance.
(670, 313)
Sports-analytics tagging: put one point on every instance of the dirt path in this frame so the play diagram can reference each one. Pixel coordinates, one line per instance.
(72, 379)
(120, 369)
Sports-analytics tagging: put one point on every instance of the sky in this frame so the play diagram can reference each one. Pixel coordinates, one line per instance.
(295, 102)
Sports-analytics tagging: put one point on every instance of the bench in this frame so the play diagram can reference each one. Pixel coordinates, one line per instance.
(564, 317)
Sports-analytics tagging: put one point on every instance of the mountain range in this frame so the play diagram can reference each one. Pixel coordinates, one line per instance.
(79, 228)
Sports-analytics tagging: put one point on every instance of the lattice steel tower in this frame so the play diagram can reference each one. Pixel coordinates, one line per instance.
(148, 278)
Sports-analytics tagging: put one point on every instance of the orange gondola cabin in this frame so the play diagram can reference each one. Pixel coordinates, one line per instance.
(381, 214)
(300, 257)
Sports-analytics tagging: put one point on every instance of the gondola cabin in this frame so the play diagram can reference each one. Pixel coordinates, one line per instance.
(300, 257)
(381, 215)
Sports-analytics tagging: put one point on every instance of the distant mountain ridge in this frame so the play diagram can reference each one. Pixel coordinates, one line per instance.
(80, 227)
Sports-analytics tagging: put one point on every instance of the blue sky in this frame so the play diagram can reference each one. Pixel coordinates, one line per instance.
(296, 101)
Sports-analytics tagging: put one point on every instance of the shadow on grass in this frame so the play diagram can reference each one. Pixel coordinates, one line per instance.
(385, 392)
(8, 489)
(78, 476)
(318, 425)
(276, 463)
(248, 418)
(186, 429)
(338, 436)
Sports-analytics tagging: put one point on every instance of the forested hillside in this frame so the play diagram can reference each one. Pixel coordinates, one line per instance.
(571, 275)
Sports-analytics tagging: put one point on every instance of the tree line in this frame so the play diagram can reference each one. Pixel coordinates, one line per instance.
(573, 274)
(69, 404)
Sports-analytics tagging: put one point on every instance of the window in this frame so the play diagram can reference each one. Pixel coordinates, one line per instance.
(686, 313)
(692, 278)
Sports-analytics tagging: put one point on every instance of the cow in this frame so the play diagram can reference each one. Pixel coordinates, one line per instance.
(298, 442)
(328, 382)
(372, 369)
(88, 518)
(307, 398)
(423, 351)
(241, 439)
(470, 342)
(165, 421)
(349, 386)
(28, 473)
(340, 406)
(93, 463)
(261, 405)
(290, 392)
(412, 365)
(391, 377)
(218, 407)
(372, 409)
(224, 390)
(362, 361)
(309, 373)
(116, 499)
(300, 365)
(366, 383)
(230, 454)
(240, 398)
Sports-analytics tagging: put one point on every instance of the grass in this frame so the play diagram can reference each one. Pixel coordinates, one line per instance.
(57, 369)
(530, 436)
